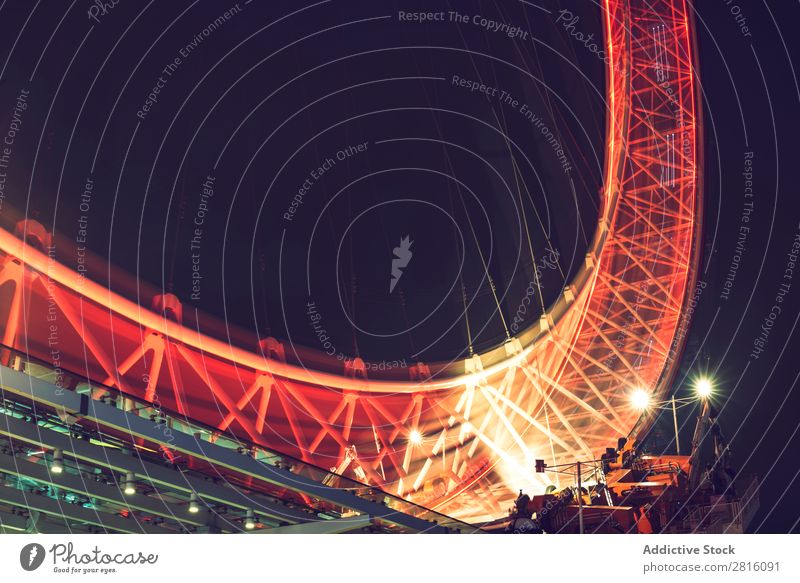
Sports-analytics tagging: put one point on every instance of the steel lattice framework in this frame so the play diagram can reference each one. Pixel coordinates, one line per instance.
(560, 391)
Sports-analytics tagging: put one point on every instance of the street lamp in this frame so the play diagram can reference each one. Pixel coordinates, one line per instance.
(704, 388)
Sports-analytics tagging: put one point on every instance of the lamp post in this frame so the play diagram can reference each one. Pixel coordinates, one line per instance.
(540, 469)
(580, 498)
(675, 422)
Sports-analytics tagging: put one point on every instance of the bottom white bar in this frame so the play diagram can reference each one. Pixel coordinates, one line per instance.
(400, 558)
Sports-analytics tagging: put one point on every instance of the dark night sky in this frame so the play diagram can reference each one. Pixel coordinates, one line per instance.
(235, 110)
(751, 103)
(263, 102)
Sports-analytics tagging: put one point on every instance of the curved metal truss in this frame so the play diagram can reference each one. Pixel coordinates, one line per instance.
(460, 443)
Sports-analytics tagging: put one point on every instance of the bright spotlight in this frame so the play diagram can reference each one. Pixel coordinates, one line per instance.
(640, 399)
(415, 437)
(704, 388)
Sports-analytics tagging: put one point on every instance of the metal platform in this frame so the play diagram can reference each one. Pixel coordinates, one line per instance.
(72, 464)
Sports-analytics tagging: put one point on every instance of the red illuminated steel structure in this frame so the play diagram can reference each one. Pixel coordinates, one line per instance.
(460, 439)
